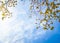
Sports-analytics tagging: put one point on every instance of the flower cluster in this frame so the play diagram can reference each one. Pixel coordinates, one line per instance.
(3, 8)
(50, 14)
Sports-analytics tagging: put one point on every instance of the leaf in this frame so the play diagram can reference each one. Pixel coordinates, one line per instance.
(37, 27)
(45, 19)
(46, 0)
(45, 28)
(58, 11)
(47, 4)
(59, 20)
(54, 6)
(58, 17)
(37, 7)
(55, 0)
(42, 3)
(58, 4)
(41, 12)
(3, 18)
(31, 7)
(52, 3)
(3, 14)
(52, 28)
(50, 11)
(51, 22)
(47, 11)
(54, 14)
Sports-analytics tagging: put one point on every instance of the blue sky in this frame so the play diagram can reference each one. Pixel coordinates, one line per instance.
(22, 29)
(40, 36)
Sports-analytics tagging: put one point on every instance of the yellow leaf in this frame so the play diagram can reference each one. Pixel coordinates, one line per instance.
(3, 14)
(51, 11)
(52, 3)
(54, 6)
(45, 28)
(41, 12)
(47, 11)
(47, 3)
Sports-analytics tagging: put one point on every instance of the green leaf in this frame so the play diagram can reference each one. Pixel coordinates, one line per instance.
(52, 28)
(51, 22)
(3, 18)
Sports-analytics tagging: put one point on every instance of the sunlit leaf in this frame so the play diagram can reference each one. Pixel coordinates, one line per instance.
(52, 3)
(47, 11)
(41, 12)
(3, 15)
(4, 9)
(47, 3)
(50, 11)
(45, 28)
